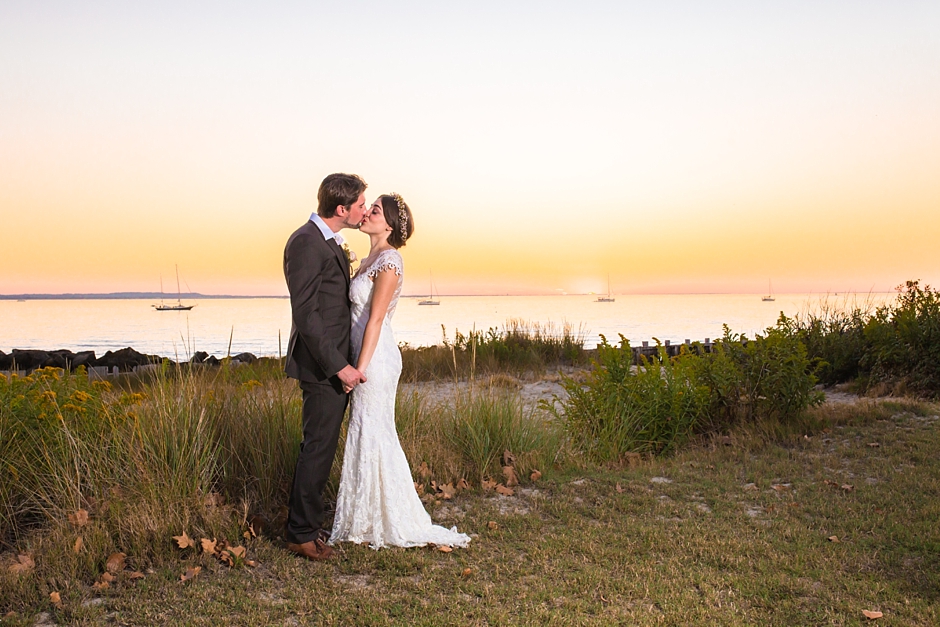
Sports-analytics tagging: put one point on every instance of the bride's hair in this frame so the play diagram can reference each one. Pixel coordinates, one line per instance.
(398, 216)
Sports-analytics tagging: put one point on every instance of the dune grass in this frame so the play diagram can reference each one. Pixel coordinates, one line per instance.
(518, 347)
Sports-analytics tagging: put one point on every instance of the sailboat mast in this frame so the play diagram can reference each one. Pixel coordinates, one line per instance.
(179, 296)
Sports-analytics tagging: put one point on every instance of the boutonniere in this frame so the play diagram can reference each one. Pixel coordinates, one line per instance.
(350, 258)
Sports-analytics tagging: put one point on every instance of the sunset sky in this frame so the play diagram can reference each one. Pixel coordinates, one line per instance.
(678, 147)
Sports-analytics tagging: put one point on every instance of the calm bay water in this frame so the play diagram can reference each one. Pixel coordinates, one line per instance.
(254, 324)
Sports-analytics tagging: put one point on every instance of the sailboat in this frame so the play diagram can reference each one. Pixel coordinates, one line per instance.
(179, 306)
(430, 299)
(608, 298)
(770, 293)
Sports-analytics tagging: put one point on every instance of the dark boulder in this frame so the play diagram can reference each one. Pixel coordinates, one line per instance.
(6, 361)
(245, 358)
(199, 357)
(211, 360)
(83, 358)
(29, 359)
(61, 359)
(126, 359)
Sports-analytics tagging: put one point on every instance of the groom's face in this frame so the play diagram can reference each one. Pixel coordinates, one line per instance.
(354, 213)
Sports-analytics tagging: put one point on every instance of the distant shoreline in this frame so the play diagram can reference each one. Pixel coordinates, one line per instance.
(198, 296)
(125, 296)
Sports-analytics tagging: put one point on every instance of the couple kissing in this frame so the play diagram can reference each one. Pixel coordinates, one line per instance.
(342, 351)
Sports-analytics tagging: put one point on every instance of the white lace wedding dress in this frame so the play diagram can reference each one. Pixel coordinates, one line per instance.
(377, 501)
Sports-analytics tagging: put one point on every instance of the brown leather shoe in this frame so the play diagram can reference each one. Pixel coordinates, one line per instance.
(315, 550)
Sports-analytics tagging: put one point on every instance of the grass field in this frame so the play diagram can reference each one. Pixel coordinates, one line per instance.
(740, 530)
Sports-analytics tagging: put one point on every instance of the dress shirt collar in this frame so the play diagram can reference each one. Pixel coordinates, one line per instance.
(328, 233)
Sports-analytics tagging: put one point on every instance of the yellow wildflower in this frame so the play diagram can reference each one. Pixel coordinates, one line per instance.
(80, 396)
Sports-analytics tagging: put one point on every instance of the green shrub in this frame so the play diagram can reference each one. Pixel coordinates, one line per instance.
(896, 346)
(660, 403)
(905, 340)
(621, 408)
(769, 377)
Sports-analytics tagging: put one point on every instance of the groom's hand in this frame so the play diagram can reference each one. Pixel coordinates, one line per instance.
(350, 378)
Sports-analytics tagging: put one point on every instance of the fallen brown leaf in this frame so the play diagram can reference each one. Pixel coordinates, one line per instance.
(874, 444)
(619, 489)
(115, 562)
(508, 459)
(872, 614)
(463, 485)
(106, 577)
(79, 518)
(226, 558)
(79, 543)
(445, 491)
(501, 489)
(510, 473)
(238, 551)
(419, 488)
(833, 539)
(466, 572)
(486, 484)
(214, 499)
(424, 471)
(23, 564)
(190, 573)
(184, 541)
(445, 549)
(832, 484)
(847, 487)
(251, 563)
(535, 475)
(55, 598)
(781, 487)
(101, 585)
(209, 546)
(135, 575)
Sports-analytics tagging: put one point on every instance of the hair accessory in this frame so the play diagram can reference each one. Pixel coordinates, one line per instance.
(402, 215)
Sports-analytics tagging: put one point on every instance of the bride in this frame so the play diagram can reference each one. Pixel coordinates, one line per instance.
(377, 501)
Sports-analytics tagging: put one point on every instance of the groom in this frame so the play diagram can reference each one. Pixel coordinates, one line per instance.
(318, 355)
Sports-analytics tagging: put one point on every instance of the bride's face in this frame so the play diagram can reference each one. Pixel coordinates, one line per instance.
(374, 220)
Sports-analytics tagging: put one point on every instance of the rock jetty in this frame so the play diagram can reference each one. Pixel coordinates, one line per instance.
(123, 360)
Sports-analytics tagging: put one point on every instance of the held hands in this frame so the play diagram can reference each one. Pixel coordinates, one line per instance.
(350, 378)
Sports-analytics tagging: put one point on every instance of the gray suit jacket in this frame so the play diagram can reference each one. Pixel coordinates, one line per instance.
(317, 273)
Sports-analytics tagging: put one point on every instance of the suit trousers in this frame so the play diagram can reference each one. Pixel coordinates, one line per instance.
(324, 405)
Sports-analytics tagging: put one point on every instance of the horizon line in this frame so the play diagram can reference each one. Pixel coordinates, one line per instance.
(199, 295)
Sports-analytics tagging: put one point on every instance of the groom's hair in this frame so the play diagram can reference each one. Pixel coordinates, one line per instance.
(338, 189)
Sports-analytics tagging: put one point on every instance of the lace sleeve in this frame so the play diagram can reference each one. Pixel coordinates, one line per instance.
(388, 260)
